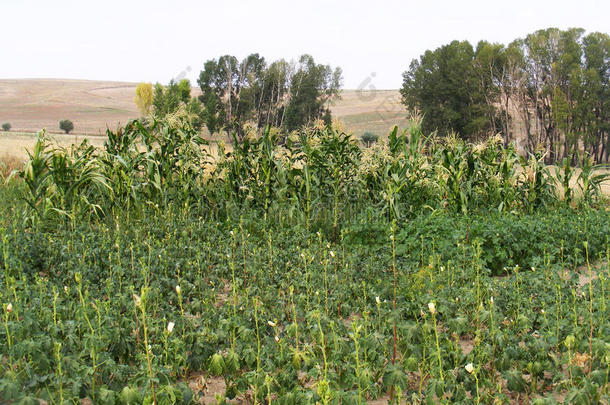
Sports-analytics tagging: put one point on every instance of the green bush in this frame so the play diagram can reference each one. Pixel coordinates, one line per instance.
(66, 125)
(505, 239)
(6, 126)
(369, 138)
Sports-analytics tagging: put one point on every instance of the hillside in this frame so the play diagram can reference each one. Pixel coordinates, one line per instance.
(32, 104)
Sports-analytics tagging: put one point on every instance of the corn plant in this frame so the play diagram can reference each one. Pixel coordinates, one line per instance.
(537, 185)
(590, 180)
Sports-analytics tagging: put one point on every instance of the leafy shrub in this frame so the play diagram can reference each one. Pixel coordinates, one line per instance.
(66, 125)
(506, 240)
(6, 126)
(369, 138)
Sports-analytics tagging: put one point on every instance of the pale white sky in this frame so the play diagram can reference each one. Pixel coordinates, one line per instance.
(153, 40)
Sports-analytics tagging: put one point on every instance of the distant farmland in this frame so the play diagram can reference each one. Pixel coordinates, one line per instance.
(32, 104)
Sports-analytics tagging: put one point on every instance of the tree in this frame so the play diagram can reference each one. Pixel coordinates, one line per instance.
(552, 86)
(144, 98)
(213, 84)
(510, 86)
(541, 52)
(231, 92)
(369, 138)
(487, 65)
(312, 88)
(443, 84)
(274, 94)
(212, 113)
(175, 98)
(184, 90)
(564, 92)
(235, 93)
(595, 93)
(166, 100)
(6, 126)
(66, 125)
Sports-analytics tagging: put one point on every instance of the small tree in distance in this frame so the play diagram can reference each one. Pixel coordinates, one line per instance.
(144, 98)
(369, 138)
(6, 126)
(66, 125)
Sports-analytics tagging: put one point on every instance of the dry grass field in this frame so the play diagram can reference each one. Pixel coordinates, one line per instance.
(17, 144)
(30, 105)
(375, 111)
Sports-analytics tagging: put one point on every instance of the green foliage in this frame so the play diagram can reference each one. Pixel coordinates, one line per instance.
(554, 84)
(61, 182)
(313, 175)
(443, 85)
(237, 93)
(6, 126)
(537, 186)
(369, 138)
(166, 100)
(216, 330)
(312, 87)
(154, 164)
(299, 268)
(66, 126)
(184, 90)
(174, 102)
(230, 90)
(590, 180)
(564, 176)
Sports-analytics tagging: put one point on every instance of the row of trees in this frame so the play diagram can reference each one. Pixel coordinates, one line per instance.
(64, 125)
(236, 95)
(281, 94)
(550, 90)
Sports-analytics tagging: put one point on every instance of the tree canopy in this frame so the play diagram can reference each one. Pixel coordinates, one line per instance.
(66, 126)
(549, 90)
(176, 98)
(144, 98)
(237, 93)
(444, 85)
